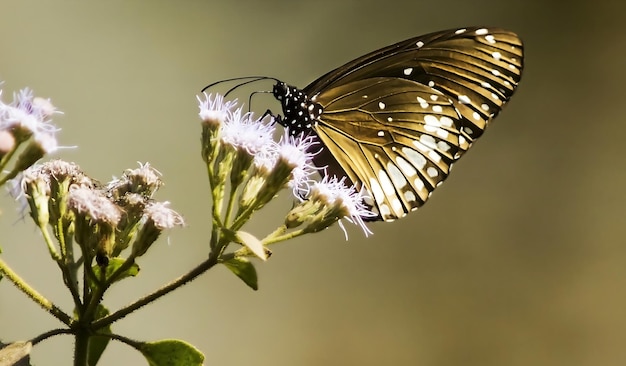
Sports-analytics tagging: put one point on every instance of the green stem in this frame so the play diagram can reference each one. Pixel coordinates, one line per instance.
(128, 341)
(34, 295)
(50, 333)
(270, 239)
(48, 239)
(180, 281)
(81, 346)
(214, 208)
(231, 204)
(10, 175)
(242, 218)
(64, 265)
(5, 159)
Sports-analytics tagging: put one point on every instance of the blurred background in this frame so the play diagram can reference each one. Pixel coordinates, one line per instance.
(519, 259)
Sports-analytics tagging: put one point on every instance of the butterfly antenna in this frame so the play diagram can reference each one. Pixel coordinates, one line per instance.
(250, 79)
(252, 94)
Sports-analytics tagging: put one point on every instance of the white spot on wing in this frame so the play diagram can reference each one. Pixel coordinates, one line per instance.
(377, 191)
(464, 99)
(408, 71)
(491, 39)
(497, 55)
(419, 44)
(419, 184)
(381, 133)
(443, 146)
(459, 31)
(421, 147)
(407, 169)
(432, 172)
(410, 196)
(434, 156)
(385, 183)
(397, 206)
(446, 121)
(417, 160)
(482, 31)
(437, 109)
(442, 133)
(429, 141)
(381, 105)
(431, 120)
(396, 175)
(462, 140)
(384, 210)
(430, 128)
(423, 103)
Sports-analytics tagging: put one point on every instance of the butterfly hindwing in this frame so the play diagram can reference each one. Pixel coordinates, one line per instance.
(397, 152)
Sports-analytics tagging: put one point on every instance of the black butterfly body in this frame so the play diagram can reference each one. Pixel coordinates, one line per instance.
(395, 120)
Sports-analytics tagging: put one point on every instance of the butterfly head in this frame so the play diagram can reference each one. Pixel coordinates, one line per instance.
(299, 111)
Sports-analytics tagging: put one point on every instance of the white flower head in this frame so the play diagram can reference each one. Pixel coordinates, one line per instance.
(213, 109)
(243, 131)
(298, 151)
(334, 191)
(28, 112)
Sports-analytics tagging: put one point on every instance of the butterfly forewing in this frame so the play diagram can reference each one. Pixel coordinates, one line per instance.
(395, 120)
(477, 68)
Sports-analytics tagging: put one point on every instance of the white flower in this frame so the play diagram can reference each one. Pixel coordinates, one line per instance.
(348, 201)
(243, 131)
(297, 151)
(213, 109)
(28, 112)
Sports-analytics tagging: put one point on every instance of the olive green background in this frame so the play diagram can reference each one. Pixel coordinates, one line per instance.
(519, 259)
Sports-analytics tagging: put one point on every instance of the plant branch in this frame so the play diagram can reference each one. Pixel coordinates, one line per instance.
(180, 281)
(34, 295)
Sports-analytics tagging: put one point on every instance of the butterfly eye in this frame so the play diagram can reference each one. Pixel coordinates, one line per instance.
(280, 90)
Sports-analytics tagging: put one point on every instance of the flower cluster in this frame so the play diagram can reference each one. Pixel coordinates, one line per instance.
(235, 144)
(102, 220)
(25, 128)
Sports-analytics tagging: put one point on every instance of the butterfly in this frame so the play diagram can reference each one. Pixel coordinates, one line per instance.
(395, 120)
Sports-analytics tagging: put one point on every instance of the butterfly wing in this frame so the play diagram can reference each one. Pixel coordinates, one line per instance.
(394, 121)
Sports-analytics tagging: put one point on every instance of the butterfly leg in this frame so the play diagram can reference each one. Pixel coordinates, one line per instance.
(276, 118)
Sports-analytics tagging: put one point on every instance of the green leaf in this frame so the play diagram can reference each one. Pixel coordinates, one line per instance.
(171, 352)
(252, 243)
(243, 269)
(97, 344)
(114, 264)
(14, 352)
